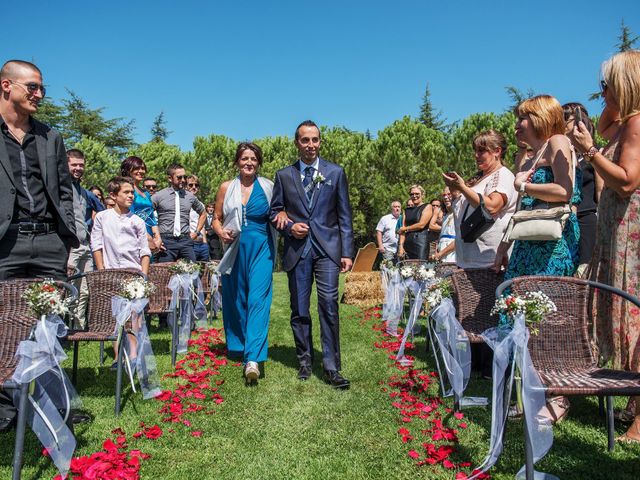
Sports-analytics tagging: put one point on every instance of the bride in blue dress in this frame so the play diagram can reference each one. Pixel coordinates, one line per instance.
(241, 221)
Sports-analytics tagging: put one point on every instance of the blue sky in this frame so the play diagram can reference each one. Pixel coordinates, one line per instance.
(253, 69)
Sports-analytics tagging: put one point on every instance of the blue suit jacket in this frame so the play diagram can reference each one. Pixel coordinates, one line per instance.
(329, 216)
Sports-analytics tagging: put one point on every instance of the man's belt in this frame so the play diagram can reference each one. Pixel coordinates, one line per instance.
(34, 228)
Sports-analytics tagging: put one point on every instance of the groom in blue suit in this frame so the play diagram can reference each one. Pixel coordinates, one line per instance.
(310, 206)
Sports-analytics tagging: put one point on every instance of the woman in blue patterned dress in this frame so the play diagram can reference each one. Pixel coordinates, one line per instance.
(541, 125)
(135, 168)
(241, 221)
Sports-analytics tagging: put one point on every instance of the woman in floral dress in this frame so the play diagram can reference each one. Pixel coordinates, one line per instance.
(616, 259)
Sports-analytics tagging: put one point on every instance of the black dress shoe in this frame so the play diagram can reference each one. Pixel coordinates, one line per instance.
(336, 380)
(304, 373)
(6, 423)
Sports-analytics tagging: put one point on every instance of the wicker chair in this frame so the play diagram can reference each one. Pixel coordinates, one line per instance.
(100, 326)
(445, 269)
(473, 297)
(562, 352)
(159, 275)
(16, 324)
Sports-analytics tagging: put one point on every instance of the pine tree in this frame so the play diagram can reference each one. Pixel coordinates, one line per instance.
(627, 38)
(159, 132)
(428, 115)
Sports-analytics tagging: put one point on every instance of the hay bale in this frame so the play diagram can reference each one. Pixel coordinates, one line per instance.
(363, 289)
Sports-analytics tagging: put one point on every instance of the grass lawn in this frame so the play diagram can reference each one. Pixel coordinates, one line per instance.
(284, 428)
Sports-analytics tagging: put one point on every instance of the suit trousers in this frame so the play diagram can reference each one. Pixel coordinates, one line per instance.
(33, 255)
(80, 261)
(301, 277)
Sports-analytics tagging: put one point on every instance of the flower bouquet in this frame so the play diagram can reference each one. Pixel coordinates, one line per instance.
(388, 265)
(136, 288)
(407, 271)
(424, 272)
(44, 298)
(439, 290)
(183, 266)
(534, 305)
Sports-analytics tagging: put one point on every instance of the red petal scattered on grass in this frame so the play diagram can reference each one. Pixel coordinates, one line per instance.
(196, 434)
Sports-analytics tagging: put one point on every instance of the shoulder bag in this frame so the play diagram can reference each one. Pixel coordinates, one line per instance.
(540, 224)
(473, 226)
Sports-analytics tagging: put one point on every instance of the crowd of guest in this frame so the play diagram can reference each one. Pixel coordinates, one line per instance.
(558, 163)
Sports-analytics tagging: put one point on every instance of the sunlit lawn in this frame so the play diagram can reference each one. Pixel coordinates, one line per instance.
(284, 428)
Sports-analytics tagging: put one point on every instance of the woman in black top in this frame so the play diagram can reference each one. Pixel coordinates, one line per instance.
(591, 187)
(414, 242)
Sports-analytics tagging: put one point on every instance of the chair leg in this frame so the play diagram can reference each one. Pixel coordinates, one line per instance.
(528, 450)
(101, 353)
(610, 430)
(119, 371)
(601, 405)
(20, 431)
(174, 334)
(74, 372)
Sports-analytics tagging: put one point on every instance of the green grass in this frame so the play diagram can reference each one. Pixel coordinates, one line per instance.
(284, 428)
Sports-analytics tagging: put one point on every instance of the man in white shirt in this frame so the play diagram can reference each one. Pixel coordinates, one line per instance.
(200, 245)
(386, 232)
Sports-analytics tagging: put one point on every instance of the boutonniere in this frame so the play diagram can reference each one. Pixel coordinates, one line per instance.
(319, 178)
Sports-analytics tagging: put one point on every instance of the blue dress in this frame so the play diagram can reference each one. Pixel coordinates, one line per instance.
(247, 290)
(143, 207)
(558, 258)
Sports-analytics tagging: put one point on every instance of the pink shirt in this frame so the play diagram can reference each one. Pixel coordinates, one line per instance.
(122, 239)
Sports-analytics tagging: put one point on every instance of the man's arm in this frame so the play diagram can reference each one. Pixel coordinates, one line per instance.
(65, 188)
(379, 239)
(345, 222)
(278, 213)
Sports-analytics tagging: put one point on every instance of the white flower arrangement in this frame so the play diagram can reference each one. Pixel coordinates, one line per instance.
(534, 306)
(184, 266)
(318, 179)
(388, 265)
(136, 288)
(424, 272)
(406, 271)
(437, 291)
(44, 298)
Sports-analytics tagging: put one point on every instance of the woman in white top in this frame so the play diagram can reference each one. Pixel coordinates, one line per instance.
(494, 182)
(446, 251)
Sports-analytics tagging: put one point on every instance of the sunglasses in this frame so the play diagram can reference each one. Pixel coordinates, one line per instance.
(151, 187)
(181, 177)
(415, 194)
(32, 87)
(192, 185)
(603, 86)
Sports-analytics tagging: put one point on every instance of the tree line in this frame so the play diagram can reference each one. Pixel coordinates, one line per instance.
(412, 150)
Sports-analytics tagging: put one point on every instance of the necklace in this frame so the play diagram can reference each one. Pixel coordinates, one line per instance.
(14, 135)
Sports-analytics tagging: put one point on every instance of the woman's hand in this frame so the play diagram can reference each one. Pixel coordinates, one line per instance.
(453, 180)
(402, 230)
(502, 257)
(435, 257)
(582, 137)
(401, 252)
(226, 236)
(522, 177)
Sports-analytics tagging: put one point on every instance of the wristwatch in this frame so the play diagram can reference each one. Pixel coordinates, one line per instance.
(522, 185)
(591, 152)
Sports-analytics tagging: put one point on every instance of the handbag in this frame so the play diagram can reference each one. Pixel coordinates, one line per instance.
(540, 224)
(477, 223)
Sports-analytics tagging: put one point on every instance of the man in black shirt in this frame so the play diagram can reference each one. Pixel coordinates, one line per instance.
(37, 227)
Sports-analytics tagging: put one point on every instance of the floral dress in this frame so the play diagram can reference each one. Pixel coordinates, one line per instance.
(616, 262)
(546, 257)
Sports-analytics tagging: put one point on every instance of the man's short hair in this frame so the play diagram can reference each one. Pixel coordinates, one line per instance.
(396, 201)
(306, 123)
(75, 153)
(173, 167)
(115, 184)
(8, 69)
(149, 179)
(210, 204)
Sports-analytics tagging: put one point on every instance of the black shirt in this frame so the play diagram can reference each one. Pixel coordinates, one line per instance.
(588, 204)
(31, 204)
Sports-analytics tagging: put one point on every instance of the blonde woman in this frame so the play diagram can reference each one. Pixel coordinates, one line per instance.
(616, 258)
(414, 242)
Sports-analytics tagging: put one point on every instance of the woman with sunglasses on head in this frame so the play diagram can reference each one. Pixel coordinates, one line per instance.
(493, 184)
(413, 243)
(616, 257)
(135, 168)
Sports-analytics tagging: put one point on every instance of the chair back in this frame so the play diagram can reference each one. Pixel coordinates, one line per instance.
(103, 285)
(16, 321)
(159, 275)
(563, 342)
(473, 295)
(445, 269)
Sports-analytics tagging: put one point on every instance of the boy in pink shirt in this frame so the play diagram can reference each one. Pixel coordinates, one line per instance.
(119, 240)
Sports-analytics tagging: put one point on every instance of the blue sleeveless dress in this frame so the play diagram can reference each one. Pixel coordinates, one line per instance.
(558, 258)
(247, 290)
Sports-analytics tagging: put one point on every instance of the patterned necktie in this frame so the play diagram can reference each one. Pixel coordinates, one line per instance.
(307, 182)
